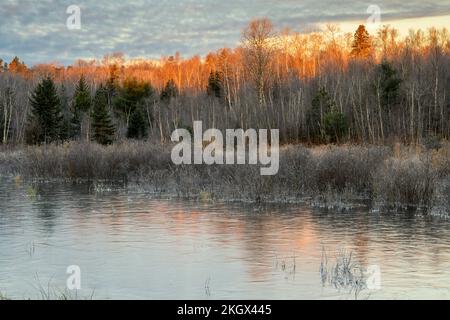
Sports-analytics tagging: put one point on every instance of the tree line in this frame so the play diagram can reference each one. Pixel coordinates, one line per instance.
(317, 88)
(96, 117)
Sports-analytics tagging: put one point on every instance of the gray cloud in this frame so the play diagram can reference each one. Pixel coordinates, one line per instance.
(36, 30)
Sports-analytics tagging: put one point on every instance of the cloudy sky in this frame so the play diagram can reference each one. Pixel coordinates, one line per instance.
(36, 31)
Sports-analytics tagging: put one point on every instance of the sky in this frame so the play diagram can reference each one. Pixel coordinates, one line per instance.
(36, 30)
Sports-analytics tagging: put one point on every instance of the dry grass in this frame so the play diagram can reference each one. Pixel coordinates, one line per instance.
(89, 161)
(394, 177)
(344, 273)
(406, 182)
(345, 167)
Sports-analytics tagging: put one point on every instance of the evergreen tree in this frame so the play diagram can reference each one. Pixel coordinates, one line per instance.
(390, 84)
(81, 104)
(130, 95)
(46, 114)
(102, 126)
(112, 85)
(137, 128)
(215, 84)
(362, 44)
(335, 125)
(170, 91)
(322, 103)
(17, 66)
(75, 123)
(66, 114)
(82, 96)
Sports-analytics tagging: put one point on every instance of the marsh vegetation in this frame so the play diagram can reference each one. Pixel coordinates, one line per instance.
(397, 177)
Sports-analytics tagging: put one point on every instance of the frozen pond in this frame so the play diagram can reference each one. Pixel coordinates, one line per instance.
(129, 245)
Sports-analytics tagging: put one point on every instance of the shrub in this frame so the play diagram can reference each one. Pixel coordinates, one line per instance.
(341, 168)
(405, 182)
(400, 178)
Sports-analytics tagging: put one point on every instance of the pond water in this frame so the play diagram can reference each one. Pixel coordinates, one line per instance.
(130, 245)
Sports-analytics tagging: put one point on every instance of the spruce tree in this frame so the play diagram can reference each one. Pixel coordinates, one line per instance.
(112, 85)
(46, 114)
(362, 44)
(321, 104)
(66, 114)
(335, 125)
(75, 125)
(81, 104)
(82, 96)
(390, 84)
(17, 66)
(137, 128)
(130, 95)
(215, 87)
(170, 91)
(102, 126)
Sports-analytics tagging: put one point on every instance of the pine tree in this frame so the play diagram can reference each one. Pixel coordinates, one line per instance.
(322, 103)
(75, 125)
(66, 114)
(81, 104)
(17, 66)
(362, 44)
(137, 128)
(335, 125)
(170, 91)
(390, 84)
(46, 114)
(112, 85)
(82, 96)
(132, 93)
(215, 86)
(102, 126)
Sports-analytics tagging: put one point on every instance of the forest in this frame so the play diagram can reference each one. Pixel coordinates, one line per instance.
(360, 117)
(316, 88)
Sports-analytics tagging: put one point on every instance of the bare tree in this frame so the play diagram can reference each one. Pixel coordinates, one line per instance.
(257, 40)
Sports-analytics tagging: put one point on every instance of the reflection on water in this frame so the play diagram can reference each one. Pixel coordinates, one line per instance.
(129, 245)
